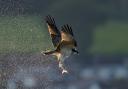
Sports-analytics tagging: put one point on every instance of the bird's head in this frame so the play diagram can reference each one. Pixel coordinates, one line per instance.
(75, 51)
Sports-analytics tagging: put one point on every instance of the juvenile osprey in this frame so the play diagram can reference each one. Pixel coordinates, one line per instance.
(63, 41)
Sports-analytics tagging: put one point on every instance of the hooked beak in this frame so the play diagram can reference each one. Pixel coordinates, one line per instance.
(75, 51)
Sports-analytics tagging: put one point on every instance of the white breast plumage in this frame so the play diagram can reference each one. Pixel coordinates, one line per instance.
(66, 52)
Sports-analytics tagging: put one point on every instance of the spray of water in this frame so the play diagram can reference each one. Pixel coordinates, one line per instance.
(12, 7)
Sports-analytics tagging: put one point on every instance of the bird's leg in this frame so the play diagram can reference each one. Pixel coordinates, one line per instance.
(46, 50)
(61, 66)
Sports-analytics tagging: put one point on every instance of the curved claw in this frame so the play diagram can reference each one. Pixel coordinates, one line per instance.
(61, 66)
(64, 71)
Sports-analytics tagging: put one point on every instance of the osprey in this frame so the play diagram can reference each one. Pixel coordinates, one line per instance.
(63, 41)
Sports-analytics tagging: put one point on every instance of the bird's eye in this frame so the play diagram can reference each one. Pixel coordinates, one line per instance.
(75, 50)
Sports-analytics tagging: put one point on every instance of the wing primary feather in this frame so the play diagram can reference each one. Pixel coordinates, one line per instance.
(66, 28)
(71, 31)
(63, 29)
(53, 21)
(49, 20)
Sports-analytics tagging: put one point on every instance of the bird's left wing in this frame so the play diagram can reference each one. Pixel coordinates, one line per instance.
(53, 30)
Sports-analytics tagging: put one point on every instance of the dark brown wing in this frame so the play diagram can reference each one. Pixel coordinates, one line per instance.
(67, 35)
(54, 32)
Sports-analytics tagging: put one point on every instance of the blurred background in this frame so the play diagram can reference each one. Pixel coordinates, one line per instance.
(100, 28)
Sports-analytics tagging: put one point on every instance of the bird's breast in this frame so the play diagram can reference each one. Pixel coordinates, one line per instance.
(66, 52)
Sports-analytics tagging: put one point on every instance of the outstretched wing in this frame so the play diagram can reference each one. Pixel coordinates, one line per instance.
(54, 32)
(67, 35)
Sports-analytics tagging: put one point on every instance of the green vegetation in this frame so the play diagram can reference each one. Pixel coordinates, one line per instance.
(111, 38)
(23, 34)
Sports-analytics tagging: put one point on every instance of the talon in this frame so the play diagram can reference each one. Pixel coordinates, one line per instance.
(60, 66)
(64, 71)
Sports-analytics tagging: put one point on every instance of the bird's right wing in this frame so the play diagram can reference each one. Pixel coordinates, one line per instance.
(67, 35)
(54, 32)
